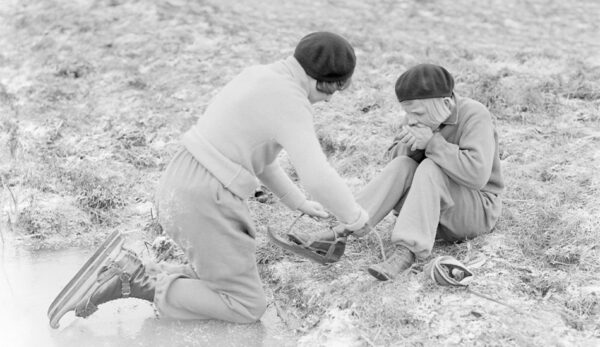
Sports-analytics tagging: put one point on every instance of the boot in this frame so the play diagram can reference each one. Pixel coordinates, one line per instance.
(319, 241)
(399, 260)
(123, 277)
(324, 247)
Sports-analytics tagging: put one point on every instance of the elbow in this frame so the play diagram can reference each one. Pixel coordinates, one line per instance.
(477, 172)
(478, 179)
(481, 183)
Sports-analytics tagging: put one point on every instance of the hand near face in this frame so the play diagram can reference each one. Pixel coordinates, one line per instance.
(422, 136)
(417, 137)
(405, 136)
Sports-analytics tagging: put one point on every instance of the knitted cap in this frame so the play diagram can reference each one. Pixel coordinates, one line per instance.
(424, 81)
(326, 56)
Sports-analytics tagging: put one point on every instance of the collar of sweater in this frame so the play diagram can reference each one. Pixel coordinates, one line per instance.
(292, 67)
(453, 118)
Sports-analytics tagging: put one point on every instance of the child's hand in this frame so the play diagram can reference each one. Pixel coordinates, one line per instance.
(406, 136)
(421, 136)
(313, 209)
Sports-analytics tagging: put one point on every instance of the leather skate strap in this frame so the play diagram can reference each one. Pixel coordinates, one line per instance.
(125, 285)
(447, 271)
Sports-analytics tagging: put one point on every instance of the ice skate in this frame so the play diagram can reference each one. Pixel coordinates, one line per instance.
(83, 283)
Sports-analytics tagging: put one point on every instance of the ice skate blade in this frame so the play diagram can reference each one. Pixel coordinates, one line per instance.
(380, 275)
(79, 286)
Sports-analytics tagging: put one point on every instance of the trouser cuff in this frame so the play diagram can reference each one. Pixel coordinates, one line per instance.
(163, 282)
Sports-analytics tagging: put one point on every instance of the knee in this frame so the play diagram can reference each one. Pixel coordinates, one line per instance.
(430, 170)
(258, 308)
(402, 166)
(404, 162)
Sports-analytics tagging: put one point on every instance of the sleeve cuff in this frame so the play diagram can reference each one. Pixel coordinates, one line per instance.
(433, 144)
(360, 222)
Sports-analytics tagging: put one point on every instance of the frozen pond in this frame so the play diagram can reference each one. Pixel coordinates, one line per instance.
(29, 281)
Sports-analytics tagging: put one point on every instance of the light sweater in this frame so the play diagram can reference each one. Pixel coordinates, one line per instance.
(260, 112)
(465, 147)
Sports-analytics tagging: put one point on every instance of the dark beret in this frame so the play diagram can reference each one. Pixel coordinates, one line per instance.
(326, 56)
(424, 81)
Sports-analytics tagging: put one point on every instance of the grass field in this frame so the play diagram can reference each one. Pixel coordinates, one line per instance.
(94, 95)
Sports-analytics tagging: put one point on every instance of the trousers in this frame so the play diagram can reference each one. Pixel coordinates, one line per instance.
(428, 204)
(214, 229)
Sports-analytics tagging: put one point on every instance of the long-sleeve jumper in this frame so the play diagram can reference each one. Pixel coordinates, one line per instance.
(451, 188)
(202, 194)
